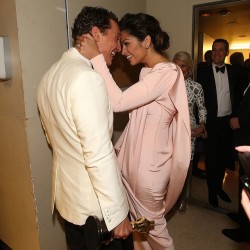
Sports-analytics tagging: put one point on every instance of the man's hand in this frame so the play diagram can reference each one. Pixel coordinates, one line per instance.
(87, 46)
(123, 230)
(234, 123)
(243, 148)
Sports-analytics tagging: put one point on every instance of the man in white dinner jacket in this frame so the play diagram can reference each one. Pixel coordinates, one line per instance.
(77, 118)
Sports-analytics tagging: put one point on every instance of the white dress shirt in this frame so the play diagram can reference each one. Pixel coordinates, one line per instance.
(223, 92)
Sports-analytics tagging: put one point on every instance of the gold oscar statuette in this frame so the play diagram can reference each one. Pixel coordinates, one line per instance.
(96, 232)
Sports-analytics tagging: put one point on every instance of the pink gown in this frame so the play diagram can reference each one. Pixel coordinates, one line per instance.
(155, 147)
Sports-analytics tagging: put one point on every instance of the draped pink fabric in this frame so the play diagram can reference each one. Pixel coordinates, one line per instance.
(155, 147)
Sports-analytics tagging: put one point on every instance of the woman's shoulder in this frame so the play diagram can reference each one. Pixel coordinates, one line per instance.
(164, 66)
(194, 83)
(167, 65)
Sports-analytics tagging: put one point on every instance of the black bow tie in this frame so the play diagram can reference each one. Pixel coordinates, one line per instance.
(221, 69)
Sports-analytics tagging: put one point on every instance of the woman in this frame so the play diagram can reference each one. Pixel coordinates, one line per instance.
(195, 102)
(154, 149)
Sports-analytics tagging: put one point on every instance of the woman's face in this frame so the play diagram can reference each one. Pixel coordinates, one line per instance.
(134, 50)
(184, 67)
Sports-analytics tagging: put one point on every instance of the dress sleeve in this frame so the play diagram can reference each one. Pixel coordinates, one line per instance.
(148, 89)
(200, 102)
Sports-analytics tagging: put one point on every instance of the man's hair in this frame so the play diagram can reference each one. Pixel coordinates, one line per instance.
(207, 56)
(90, 17)
(221, 40)
(237, 58)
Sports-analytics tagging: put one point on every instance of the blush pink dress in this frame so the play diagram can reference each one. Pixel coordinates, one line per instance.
(154, 149)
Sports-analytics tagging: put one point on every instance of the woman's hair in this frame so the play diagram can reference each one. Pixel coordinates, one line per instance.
(140, 25)
(92, 16)
(185, 58)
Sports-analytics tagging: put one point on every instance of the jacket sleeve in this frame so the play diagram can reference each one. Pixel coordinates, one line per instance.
(91, 112)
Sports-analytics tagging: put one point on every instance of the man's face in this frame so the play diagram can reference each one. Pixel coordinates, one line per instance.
(109, 42)
(219, 53)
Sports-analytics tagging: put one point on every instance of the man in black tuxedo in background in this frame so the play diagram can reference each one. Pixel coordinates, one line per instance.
(241, 129)
(218, 82)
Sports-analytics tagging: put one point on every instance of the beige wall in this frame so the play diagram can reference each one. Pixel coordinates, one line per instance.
(17, 210)
(42, 39)
(176, 18)
(38, 38)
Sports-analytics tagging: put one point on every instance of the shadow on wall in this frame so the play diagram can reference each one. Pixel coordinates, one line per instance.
(120, 121)
(123, 73)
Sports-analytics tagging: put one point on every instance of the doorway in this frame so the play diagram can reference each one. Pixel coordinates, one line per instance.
(224, 19)
(229, 20)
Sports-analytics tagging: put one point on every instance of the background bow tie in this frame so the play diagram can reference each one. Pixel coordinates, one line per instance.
(221, 69)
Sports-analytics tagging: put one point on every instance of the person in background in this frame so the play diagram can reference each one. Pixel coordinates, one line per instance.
(245, 199)
(237, 62)
(154, 149)
(195, 99)
(199, 143)
(218, 83)
(77, 118)
(247, 66)
(208, 59)
(237, 58)
(240, 124)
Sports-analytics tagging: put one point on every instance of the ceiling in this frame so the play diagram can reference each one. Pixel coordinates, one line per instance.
(234, 26)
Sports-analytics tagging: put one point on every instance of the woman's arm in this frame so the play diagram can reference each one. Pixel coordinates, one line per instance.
(200, 102)
(148, 89)
(156, 82)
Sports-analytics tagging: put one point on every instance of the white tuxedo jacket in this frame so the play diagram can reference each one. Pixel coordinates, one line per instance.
(77, 119)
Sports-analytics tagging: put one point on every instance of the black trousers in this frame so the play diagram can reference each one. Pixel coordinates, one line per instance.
(218, 153)
(75, 239)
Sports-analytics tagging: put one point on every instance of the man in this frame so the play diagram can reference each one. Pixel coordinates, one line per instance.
(218, 84)
(77, 119)
(237, 61)
(241, 127)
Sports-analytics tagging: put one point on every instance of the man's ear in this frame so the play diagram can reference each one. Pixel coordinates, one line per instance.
(95, 32)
